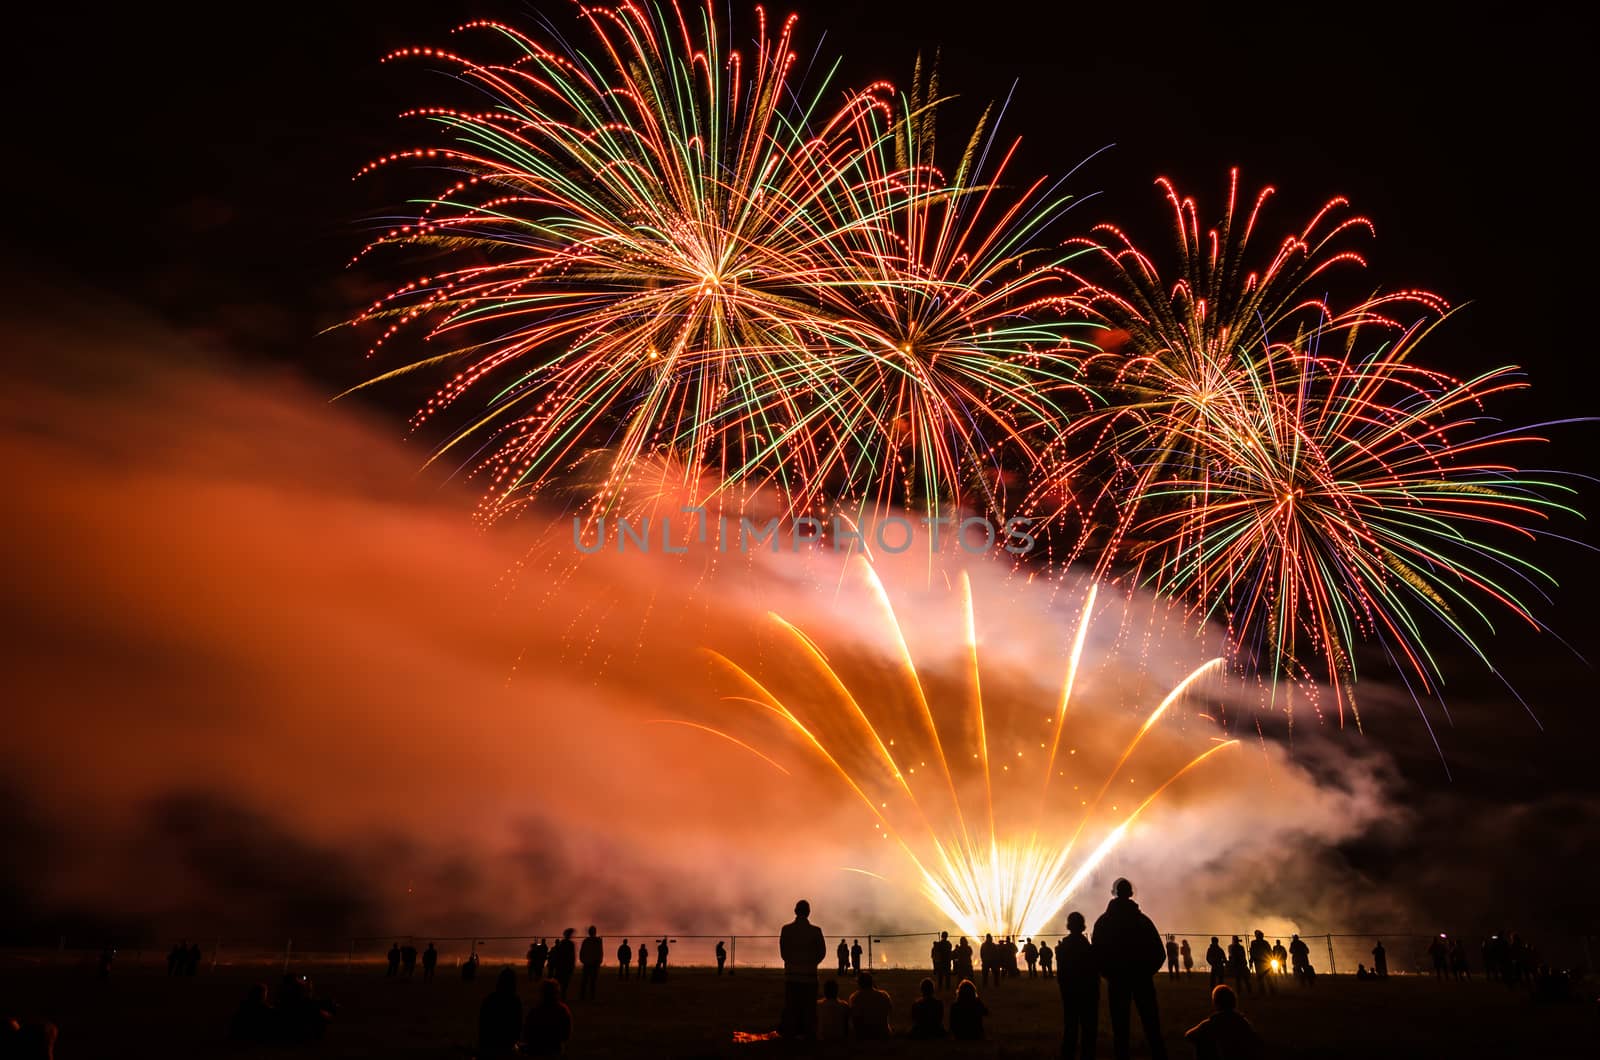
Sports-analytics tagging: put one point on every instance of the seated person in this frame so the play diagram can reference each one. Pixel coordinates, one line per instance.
(1225, 1034)
(966, 1013)
(549, 1022)
(833, 1015)
(927, 1014)
(869, 1009)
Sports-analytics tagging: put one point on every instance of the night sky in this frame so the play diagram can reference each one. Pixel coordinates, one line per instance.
(197, 169)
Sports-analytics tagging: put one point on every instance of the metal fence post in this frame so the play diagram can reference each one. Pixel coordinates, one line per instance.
(288, 948)
(1333, 966)
(733, 954)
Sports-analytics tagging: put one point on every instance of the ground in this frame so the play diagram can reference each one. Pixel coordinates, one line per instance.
(141, 1012)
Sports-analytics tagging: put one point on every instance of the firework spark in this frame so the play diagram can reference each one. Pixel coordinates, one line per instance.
(926, 767)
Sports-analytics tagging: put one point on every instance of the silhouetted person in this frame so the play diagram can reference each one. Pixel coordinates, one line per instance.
(1078, 977)
(1217, 961)
(1458, 961)
(644, 959)
(943, 954)
(1380, 961)
(564, 961)
(1361, 972)
(802, 947)
(192, 959)
(624, 959)
(722, 955)
(301, 1016)
(1187, 955)
(1239, 966)
(1225, 1034)
(537, 954)
(989, 959)
(549, 1024)
(1008, 956)
(408, 960)
(1030, 954)
(34, 1040)
(254, 1020)
(1280, 958)
(966, 1013)
(500, 1018)
(430, 960)
(592, 955)
(176, 958)
(855, 956)
(1299, 957)
(1172, 957)
(927, 1014)
(394, 960)
(1129, 952)
(1261, 961)
(963, 959)
(843, 953)
(1047, 958)
(1441, 957)
(870, 1009)
(833, 1015)
(469, 967)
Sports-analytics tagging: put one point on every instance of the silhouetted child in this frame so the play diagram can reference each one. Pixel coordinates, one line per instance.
(1225, 1034)
(967, 1012)
(870, 1009)
(722, 955)
(500, 1018)
(1187, 955)
(927, 1014)
(833, 1015)
(549, 1023)
(1079, 981)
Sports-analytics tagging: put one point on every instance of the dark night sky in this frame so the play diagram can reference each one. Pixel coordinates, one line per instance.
(199, 166)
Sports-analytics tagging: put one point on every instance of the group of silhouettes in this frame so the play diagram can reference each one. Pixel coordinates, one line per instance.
(1260, 962)
(1124, 950)
(183, 959)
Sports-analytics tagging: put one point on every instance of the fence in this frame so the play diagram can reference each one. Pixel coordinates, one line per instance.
(1338, 953)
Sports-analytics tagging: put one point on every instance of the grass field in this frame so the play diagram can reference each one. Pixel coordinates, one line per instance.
(141, 1012)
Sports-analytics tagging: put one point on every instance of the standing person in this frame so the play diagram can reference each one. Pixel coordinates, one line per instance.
(943, 953)
(844, 957)
(966, 1013)
(408, 960)
(1079, 981)
(624, 959)
(1030, 955)
(193, 958)
(1129, 953)
(1261, 962)
(1218, 963)
(1187, 955)
(1172, 957)
(927, 1014)
(1299, 957)
(564, 961)
(430, 961)
(1440, 954)
(644, 959)
(394, 960)
(537, 953)
(592, 954)
(802, 948)
(989, 959)
(1008, 955)
(659, 973)
(1458, 961)
(855, 957)
(1239, 966)
(1047, 958)
(1380, 961)
(722, 955)
(1280, 958)
(549, 1023)
(963, 959)
(500, 1018)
